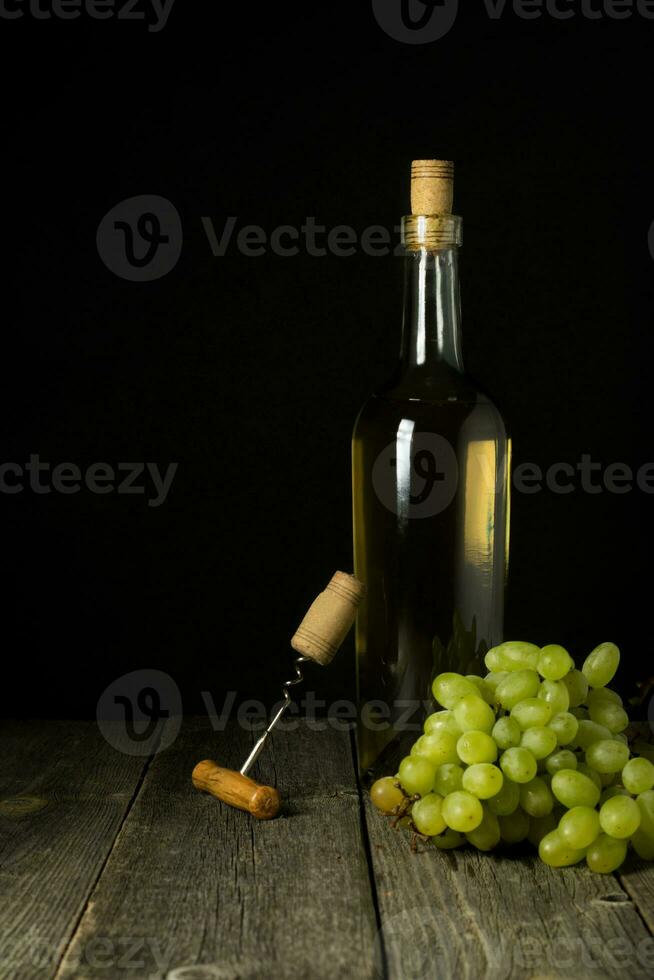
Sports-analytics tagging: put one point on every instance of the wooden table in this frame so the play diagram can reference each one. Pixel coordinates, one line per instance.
(112, 866)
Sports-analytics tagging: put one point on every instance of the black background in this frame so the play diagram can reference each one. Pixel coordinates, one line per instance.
(249, 372)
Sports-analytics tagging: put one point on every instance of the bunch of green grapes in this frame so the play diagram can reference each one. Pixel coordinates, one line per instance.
(535, 751)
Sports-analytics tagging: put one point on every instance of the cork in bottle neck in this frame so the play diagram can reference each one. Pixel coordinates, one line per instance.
(431, 223)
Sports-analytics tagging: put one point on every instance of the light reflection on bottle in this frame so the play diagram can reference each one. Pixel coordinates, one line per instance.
(481, 554)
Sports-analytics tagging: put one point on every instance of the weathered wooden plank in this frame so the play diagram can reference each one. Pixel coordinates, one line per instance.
(462, 914)
(637, 879)
(64, 792)
(193, 884)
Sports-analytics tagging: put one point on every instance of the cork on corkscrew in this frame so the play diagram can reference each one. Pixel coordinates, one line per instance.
(318, 637)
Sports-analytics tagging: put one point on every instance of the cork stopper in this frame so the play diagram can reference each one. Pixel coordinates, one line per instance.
(432, 186)
(329, 619)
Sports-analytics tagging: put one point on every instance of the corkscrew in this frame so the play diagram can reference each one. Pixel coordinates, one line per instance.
(318, 638)
(258, 748)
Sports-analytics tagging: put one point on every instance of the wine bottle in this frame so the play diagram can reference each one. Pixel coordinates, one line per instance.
(431, 495)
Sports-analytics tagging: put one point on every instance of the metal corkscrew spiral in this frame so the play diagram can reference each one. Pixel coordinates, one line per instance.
(286, 692)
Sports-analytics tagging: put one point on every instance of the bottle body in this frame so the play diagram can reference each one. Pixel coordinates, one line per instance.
(431, 501)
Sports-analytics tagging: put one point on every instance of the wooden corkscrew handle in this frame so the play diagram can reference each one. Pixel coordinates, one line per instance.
(263, 802)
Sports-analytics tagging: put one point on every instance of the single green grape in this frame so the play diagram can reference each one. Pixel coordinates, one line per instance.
(609, 714)
(417, 775)
(645, 803)
(564, 725)
(518, 764)
(606, 854)
(607, 755)
(574, 788)
(579, 826)
(427, 815)
(441, 720)
(517, 686)
(563, 759)
(601, 664)
(449, 688)
(385, 794)
(506, 732)
(514, 827)
(404, 823)
(473, 714)
(555, 693)
(589, 732)
(612, 791)
(643, 845)
(620, 817)
(462, 811)
(536, 798)
(449, 778)
(484, 690)
(506, 800)
(541, 741)
(493, 662)
(577, 686)
(539, 827)
(592, 774)
(475, 747)
(483, 780)
(532, 712)
(599, 694)
(638, 776)
(555, 852)
(448, 840)
(487, 835)
(515, 655)
(554, 662)
(439, 748)
(494, 679)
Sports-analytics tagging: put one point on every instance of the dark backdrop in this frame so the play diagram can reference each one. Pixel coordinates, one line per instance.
(248, 372)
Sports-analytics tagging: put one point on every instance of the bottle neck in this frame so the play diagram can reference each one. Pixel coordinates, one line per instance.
(431, 331)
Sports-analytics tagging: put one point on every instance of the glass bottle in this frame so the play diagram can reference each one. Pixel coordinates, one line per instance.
(431, 497)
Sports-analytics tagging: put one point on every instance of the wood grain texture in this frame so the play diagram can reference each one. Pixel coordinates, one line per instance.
(64, 792)
(637, 879)
(195, 889)
(461, 914)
